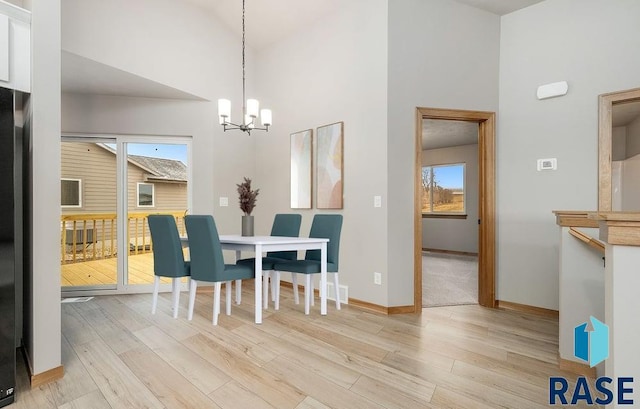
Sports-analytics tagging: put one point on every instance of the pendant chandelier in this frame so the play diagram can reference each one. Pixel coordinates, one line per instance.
(250, 107)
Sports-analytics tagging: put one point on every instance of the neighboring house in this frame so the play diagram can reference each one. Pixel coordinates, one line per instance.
(88, 181)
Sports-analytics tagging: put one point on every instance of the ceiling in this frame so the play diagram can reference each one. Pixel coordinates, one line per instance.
(84, 76)
(267, 21)
(623, 114)
(500, 7)
(440, 133)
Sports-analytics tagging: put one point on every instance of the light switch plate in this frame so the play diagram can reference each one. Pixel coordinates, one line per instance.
(377, 201)
(224, 201)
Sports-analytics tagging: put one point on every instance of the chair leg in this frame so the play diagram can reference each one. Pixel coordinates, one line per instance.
(216, 302)
(154, 300)
(276, 304)
(265, 289)
(227, 287)
(193, 284)
(337, 289)
(307, 295)
(238, 291)
(294, 281)
(175, 292)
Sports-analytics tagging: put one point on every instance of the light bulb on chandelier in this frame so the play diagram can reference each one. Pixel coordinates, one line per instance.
(250, 107)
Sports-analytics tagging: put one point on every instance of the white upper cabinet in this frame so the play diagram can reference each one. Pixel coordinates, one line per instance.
(15, 47)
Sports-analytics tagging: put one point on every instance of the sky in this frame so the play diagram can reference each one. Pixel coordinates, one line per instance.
(157, 150)
(450, 176)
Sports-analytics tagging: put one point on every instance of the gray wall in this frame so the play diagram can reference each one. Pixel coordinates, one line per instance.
(455, 234)
(619, 143)
(334, 70)
(630, 187)
(552, 41)
(632, 138)
(42, 280)
(442, 54)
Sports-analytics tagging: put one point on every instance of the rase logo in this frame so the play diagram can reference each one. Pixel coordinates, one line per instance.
(593, 348)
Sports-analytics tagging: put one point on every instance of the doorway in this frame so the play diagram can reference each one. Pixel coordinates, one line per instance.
(449, 212)
(486, 203)
(618, 148)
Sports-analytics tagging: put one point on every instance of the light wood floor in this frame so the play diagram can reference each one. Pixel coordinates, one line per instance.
(117, 355)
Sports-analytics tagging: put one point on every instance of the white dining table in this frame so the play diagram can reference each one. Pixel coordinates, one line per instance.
(262, 244)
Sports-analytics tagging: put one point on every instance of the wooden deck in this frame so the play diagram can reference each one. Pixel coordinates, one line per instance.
(103, 272)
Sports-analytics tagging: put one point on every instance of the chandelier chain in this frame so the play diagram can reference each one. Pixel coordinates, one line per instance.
(244, 99)
(247, 123)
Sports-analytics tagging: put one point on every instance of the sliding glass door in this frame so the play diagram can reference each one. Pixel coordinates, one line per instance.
(88, 221)
(157, 182)
(108, 188)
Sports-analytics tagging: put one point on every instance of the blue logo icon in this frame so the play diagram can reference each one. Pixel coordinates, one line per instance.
(591, 346)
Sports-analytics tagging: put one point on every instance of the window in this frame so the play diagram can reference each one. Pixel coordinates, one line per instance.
(443, 189)
(146, 195)
(71, 192)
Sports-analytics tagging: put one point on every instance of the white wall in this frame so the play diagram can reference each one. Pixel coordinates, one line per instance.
(334, 70)
(552, 41)
(42, 282)
(455, 234)
(442, 54)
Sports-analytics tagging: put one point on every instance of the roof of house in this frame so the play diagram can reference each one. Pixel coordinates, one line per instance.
(169, 170)
(160, 170)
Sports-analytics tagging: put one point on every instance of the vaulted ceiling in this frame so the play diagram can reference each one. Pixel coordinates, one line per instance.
(267, 21)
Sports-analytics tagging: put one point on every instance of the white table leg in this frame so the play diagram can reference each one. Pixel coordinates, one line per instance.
(323, 279)
(238, 282)
(258, 289)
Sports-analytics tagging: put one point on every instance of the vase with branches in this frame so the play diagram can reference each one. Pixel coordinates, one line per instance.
(247, 198)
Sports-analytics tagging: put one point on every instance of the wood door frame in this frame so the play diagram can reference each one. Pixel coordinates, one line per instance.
(605, 140)
(487, 202)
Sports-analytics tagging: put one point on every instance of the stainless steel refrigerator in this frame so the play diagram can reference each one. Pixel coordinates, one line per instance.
(11, 239)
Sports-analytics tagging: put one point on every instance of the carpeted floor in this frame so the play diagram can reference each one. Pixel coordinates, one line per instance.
(449, 279)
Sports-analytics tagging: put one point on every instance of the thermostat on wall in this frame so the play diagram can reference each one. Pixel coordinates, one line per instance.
(548, 164)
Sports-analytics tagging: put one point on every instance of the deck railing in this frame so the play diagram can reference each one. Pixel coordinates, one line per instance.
(93, 236)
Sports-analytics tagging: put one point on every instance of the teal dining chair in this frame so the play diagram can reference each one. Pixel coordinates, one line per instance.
(327, 226)
(168, 258)
(284, 225)
(207, 263)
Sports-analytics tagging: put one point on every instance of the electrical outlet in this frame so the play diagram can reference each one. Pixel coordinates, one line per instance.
(377, 201)
(377, 278)
(224, 201)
